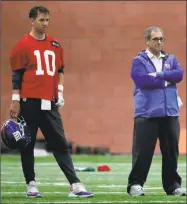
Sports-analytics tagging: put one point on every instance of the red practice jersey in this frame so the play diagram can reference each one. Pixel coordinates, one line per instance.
(41, 59)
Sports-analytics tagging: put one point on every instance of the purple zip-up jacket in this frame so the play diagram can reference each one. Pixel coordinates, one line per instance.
(151, 97)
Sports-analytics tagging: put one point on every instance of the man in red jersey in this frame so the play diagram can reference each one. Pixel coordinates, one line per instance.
(38, 81)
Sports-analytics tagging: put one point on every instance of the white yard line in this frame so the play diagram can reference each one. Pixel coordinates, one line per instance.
(93, 185)
(158, 201)
(150, 193)
(62, 193)
(95, 192)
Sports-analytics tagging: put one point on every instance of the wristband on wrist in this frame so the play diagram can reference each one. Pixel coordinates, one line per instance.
(15, 97)
(60, 88)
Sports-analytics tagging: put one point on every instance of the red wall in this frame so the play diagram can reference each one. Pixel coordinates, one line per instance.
(100, 40)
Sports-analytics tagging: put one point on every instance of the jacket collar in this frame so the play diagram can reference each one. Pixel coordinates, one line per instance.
(151, 55)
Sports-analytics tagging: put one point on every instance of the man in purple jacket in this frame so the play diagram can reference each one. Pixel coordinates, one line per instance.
(156, 114)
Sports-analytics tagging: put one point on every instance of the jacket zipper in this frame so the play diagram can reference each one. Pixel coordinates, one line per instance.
(163, 61)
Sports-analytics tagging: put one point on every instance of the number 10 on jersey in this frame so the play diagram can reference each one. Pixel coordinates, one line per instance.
(50, 68)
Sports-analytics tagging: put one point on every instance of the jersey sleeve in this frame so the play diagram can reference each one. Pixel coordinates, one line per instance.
(18, 58)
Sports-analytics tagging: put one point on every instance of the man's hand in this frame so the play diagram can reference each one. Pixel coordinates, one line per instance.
(60, 102)
(152, 74)
(179, 101)
(14, 109)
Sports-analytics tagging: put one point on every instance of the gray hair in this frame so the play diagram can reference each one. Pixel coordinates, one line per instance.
(148, 31)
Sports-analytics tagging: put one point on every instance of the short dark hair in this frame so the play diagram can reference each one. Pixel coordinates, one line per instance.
(149, 30)
(33, 13)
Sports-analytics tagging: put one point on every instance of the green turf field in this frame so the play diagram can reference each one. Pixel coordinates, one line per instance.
(108, 187)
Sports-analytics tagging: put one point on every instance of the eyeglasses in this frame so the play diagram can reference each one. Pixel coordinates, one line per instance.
(157, 39)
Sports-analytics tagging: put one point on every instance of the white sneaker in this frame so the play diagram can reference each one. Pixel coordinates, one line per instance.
(136, 190)
(32, 190)
(78, 190)
(179, 192)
